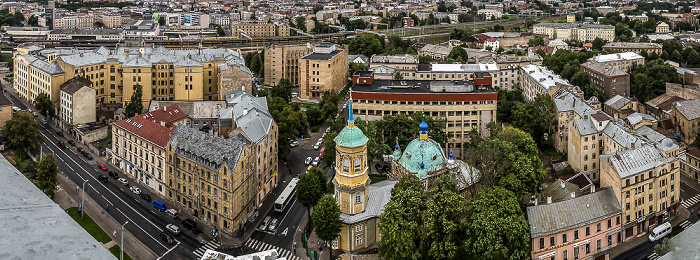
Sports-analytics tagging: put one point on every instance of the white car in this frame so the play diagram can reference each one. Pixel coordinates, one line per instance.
(123, 181)
(173, 229)
(327, 130)
(317, 160)
(308, 160)
(135, 190)
(316, 146)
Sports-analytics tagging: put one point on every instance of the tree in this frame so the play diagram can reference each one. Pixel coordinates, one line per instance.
(458, 54)
(220, 31)
(329, 104)
(43, 104)
(314, 116)
(33, 21)
(326, 220)
(398, 75)
(663, 248)
(135, 106)
(291, 122)
(354, 67)
(496, 226)
(535, 41)
(598, 44)
(536, 118)
(425, 59)
(367, 44)
(309, 190)
(443, 230)
(507, 100)
(676, 56)
(46, 171)
(592, 90)
(580, 79)
(498, 28)
(283, 89)
(301, 23)
(401, 221)
(22, 134)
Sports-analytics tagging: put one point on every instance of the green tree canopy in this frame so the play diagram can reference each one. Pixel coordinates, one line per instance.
(536, 118)
(329, 104)
(220, 31)
(135, 106)
(283, 89)
(46, 170)
(598, 44)
(535, 41)
(458, 54)
(507, 100)
(326, 219)
(309, 190)
(444, 233)
(291, 122)
(43, 103)
(22, 134)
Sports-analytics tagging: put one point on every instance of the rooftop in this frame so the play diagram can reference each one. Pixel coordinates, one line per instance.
(605, 69)
(421, 87)
(75, 84)
(405, 58)
(575, 25)
(471, 67)
(629, 56)
(617, 102)
(378, 197)
(250, 114)
(663, 102)
(35, 227)
(548, 219)
(690, 109)
(636, 45)
(321, 56)
(147, 129)
(629, 163)
(167, 116)
(543, 76)
(193, 109)
(209, 150)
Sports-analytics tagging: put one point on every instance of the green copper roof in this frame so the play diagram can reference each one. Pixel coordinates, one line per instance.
(426, 151)
(351, 137)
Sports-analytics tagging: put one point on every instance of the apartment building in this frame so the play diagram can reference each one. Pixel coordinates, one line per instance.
(282, 62)
(537, 80)
(5, 110)
(622, 60)
(111, 20)
(77, 103)
(139, 146)
(405, 64)
(689, 163)
(141, 29)
(437, 52)
(508, 75)
(212, 177)
(646, 182)
(612, 79)
(586, 144)
(570, 106)
(636, 47)
(621, 107)
(465, 105)
(259, 30)
(324, 69)
(686, 119)
(77, 21)
(163, 74)
(489, 14)
(577, 228)
(576, 31)
(662, 27)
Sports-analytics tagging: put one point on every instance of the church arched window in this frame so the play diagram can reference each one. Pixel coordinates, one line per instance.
(358, 163)
(346, 164)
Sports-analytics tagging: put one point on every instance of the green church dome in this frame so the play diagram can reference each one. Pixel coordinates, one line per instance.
(424, 151)
(351, 136)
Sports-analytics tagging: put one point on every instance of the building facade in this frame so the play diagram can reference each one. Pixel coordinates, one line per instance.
(689, 163)
(576, 31)
(636, 47)
(612, 79)
(77, 103)
(686, 119)
(259, 30)
(537, 80)
(324, 69)
(282, 62)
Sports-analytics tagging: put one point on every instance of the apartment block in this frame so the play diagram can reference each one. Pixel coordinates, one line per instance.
(282, 62)
(163, 74)
(689, 163)
(77, 103)
(621, 107)
(576, 31)
(686, 119)
(622, 60)
(324, 69)
(646, 182)
(586, 144)
(259, 30)
(537, 80)
(612, 79)
(406, 64)
(636, 47)
(570, 106)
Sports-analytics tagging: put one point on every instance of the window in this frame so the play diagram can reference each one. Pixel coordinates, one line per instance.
(598, 244)
(588, 231)
(358, 239)
(358, 163)
(358, 227)
(588, 248)
(551, 241)
(358, 198)
(597, 227)
(609, 223)
(575, 252)
(541, 242)
(563, 238)
(566, 254)
(346, 164)
(575, 234)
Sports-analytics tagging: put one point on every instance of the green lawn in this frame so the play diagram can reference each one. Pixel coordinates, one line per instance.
(309, 106)
(115, 252)
(376, 178)
(89, 225)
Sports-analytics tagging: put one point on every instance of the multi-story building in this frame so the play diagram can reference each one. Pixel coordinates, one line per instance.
(282, 62)
(577, 228)
(690, 163)
(406, 64)
(78, 21)
(102, 34)
(141, 29)
(248, 116)
(77, 103)
(508, 75)
(662, 27)
(570, 106)
(612, 79)
(437, 52)
(686, 119)
(111, 20)
(163, 74)
(646, 182)
(622, 60)
(201, 115)
(489, 14)
(451, 72)
(259, 30)
(585, 143)
(360, 202)
(5, 110)
(324, 69)
(537, 80)
(222, 20)
(139, 146)
(465, 105)
(212, 177)
(621, 107)
(576, 31)
(636, 47)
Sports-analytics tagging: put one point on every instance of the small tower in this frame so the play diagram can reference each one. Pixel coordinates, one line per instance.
(351, 176)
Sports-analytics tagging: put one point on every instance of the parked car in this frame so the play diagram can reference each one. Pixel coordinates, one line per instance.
(135, 190)
(103, 178)
(88, 155)
(102, 166)
(146, 197)
(308, 160)
(59, 133)
(165, 236)
(159, 204)
(265, 223)
(123, 181)
(61, 144)
(273, 225)
(317, 160)
(112, 174)
(80, 150)
(35, 114)
(317, 145)
(172, 213)
(173, 229)
(294, 144)
(71, 143)
(43, 121)
(189, 224)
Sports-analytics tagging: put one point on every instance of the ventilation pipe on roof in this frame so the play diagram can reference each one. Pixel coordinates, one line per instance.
(562, 185)
(549, 200)
(573, 195)
(592, 188)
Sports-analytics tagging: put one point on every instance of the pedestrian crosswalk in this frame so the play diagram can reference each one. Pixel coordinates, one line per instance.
(653, 256)
(690, 202)
(686, 224)
(262, 246)
(213, 245)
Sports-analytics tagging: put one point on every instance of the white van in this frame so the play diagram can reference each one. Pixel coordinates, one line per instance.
(172, 213)
(660, 231)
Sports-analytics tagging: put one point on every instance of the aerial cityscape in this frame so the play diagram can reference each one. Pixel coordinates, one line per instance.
(353, 130)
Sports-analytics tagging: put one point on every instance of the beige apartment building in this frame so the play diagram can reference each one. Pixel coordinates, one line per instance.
(690, 163)
(585, 143)
(212, 177)
(636, 47)
(112, 20)
(282, 62)
(259, 30)
(686, 119)
(406, 65)
(570, 106)
(138, 146)
(163, 74)
(77, 103)
(324, 69)
(576, 31)
(646, 183)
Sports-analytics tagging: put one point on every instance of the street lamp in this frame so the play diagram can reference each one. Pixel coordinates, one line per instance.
(82, 203)
(121, 246)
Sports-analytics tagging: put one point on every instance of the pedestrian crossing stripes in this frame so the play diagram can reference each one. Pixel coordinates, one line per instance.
(692, 201)
(686, 224)
(262, 246)
(213, 245)
(653, 256)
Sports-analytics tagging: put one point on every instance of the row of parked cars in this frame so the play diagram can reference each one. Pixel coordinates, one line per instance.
(268, 224)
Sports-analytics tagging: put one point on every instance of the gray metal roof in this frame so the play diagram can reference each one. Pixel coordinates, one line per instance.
(250, 114)
(585, 127)
(50, 68)
(641, 159)
(35, 227)
(690, 109)
(193, 109)
(620, 133)
(637, 117)
(209, 150)
(379, 195)
(617, 102)
(548, 219)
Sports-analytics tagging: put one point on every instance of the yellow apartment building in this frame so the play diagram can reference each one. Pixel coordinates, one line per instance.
(282, 62)
(324, 69)
(686, 119)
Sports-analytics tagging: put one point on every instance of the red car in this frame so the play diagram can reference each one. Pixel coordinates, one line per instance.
(102, 166)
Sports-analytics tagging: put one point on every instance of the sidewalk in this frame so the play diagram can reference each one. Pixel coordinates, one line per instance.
(68, 197)
(680, 216)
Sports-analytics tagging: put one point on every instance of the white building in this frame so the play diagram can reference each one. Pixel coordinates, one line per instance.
(536, 80)
(490, 14)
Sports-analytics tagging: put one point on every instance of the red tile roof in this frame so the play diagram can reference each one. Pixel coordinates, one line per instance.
(155, 126)
(169, 115)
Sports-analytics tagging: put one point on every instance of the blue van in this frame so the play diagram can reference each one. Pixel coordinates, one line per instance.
(160, 205)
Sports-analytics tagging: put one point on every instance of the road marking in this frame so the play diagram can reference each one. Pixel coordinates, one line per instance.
(120, 199)
(171, 249)
(284, 233)
(288, 210)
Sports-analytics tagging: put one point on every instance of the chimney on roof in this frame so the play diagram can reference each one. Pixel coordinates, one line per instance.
(165, 108)
(592, 188)
(549, 200)
(632, 146)
(563, 185)
(536, 201)
(573, 195)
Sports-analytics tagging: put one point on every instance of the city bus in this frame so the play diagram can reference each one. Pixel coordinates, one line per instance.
(286, 196)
